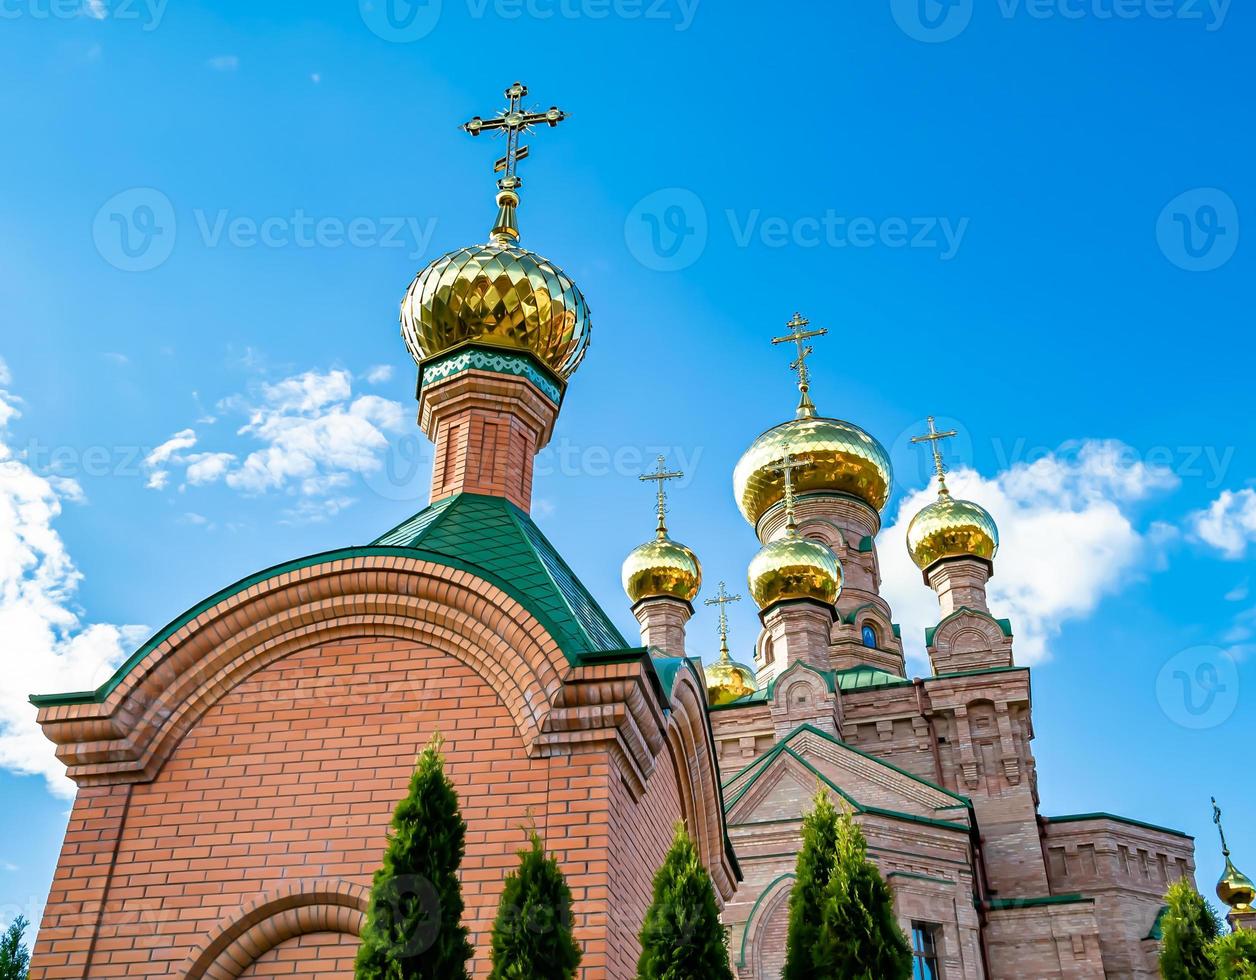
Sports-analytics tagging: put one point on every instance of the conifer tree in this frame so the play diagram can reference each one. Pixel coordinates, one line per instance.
(841, 914)
(413, 928)
(682, 936)
(1189, 927)
(532, 937)
(15, 958)
(1234, 956)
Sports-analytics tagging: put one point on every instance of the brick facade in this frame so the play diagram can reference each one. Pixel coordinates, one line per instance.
(241, 831)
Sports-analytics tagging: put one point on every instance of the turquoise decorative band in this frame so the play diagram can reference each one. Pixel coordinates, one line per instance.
(500, 362)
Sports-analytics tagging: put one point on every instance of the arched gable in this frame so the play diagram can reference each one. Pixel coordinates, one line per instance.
(126, 730)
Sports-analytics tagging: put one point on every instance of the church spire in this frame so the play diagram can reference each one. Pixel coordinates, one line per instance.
(512, 122)
(797, 335)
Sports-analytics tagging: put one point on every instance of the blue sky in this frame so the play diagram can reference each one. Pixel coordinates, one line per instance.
(1023, 217)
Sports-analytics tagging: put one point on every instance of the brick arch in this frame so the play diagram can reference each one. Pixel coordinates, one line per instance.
(692, 749)
(765, 908)
(304, 907)
(129, 735)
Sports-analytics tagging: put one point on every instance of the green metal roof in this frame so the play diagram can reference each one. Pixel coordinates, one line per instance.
(493, 534)
(1075, 817)
(1073, 898)
(866, 676)
(1157, 927)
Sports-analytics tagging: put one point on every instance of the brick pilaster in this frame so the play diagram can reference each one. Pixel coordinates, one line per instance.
(663, 624)
(960, 582)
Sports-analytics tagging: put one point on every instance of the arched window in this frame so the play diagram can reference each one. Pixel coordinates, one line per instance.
(870, 636)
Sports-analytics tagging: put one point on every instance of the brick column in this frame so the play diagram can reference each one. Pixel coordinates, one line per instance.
(797, 630)
(960, 582)
(487, 428)
(663, 624)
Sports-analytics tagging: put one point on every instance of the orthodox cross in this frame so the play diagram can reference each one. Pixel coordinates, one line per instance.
(513, 121)
(1216, 818)
(661, 476)
(797, 335)
(786, 466)
(934, 438)
(722, 599)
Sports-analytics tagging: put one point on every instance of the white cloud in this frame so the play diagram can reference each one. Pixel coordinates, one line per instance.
(1067, 540)
(208, 467)
(95, 9)
(224, 62)
(315, 438)
(167, 452)
(1228, 524)
(379, 374)
(47, 648)
(1239, 592)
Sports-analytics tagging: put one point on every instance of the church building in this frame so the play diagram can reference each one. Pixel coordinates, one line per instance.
(237, 774)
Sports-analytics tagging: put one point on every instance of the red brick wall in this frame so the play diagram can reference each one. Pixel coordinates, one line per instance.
(637, 849)
(294, 774)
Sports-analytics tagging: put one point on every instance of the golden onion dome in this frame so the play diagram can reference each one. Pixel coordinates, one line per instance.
(843, 458)
(727, 680)
(661, 568)
(792, 567)
(1235, 889)
(498, 295)
(951, 528)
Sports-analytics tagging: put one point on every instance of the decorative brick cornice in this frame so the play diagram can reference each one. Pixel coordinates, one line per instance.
(302, 907)
(492, 361)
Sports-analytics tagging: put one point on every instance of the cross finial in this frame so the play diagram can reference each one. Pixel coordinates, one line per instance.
(786, 466)
(661, 476)
(722, 599)
(1216, 818)
(797, 335)
(513, 121)
(934, 438)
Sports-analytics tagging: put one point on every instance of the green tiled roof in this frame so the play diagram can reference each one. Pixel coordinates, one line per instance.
(865, 676)
(493, 534)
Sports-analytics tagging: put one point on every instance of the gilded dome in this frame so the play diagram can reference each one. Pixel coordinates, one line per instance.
(499, 295)
(1235, 888)
(794, 568)
(727, 681)
(661, 568)
(950, 528)
(843, 459)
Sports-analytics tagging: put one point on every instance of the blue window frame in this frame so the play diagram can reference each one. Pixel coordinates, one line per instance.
(924, 952)
(869, 636)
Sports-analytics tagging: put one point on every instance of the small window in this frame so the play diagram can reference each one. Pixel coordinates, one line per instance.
(924, 951)
(870, 636)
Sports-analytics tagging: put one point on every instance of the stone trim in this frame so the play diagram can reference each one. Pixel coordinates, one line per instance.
(312, 905)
